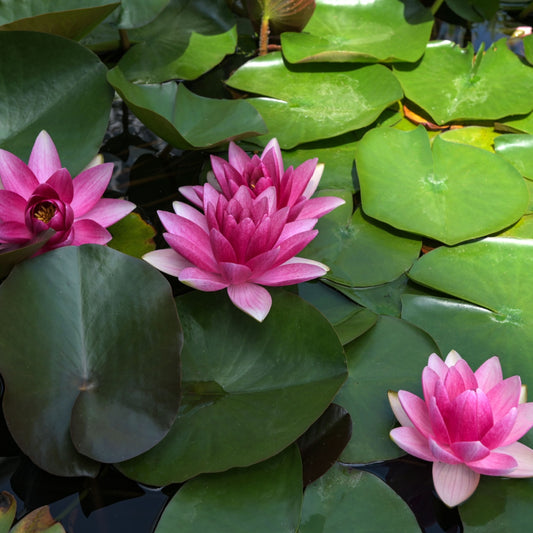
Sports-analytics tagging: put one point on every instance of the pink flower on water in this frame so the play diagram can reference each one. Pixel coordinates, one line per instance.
(253, 224)
(294, 187)
(42, 195)
(468, 424)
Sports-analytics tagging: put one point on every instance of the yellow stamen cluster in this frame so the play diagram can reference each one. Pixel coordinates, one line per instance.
(45, 212)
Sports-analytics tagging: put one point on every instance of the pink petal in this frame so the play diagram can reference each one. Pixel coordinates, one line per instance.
(296, 270)
(454, 383)
(471, 416)
(410, 440)
(107, 211)
(237, 157)
(192, 214)
(498, 434)
(14, 232)
(523, 455)
(524, 422)
(314, 181)
(294, 245)
(44, 159)
(202, 280)
(468, 376)
(397, 409)
(235, 274)
(16, 176)
(300, 179)
(452, 358)
(168, 261)
(12, 207)
(222, 248)
(273, 160)
(252, 299)
(442, 453)
(89, 187)
(192, 243)
(61, 182)
(320, 206)
(489, 374)
(495, 464)
(469, 451)
(504, 396)
(454, 483)
(429, 381)
(415, 408)
(193, 193)
(438, 425)
(438, 365)
(89, 232)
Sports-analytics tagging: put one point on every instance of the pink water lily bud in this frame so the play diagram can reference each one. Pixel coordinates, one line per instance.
(294, 187)
(467, 424)
(41, 195)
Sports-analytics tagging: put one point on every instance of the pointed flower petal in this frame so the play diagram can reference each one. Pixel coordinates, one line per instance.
(454, 483)
(252, 299)
(44, 159)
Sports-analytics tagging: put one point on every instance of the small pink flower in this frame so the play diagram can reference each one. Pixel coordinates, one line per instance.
(294, 187)
(42, 195)
(468, 424)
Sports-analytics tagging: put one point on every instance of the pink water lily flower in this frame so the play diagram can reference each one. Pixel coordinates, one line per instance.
(42, 195)
(239, 244)
(294, 187)
(467, 424)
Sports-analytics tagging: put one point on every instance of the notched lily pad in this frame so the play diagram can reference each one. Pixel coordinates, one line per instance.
(448, 191)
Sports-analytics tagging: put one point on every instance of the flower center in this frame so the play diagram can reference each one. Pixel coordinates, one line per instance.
(45, 211)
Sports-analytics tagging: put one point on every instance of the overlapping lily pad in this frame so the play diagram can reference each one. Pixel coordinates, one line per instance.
(78, 350)
(186, 40)
(136, 13)
(250, 389)
(262, 498)
(382, 30)
(351, 500)
(52, 83)
(494, 316)
(449, 191)
(390, 356)
(360, 253)
(68, 18)
(185, 119)
(518, 150)
(453, 85)
(318, 101)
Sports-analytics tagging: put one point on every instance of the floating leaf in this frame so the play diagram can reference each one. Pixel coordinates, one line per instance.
(479, 136)
(68, 18)
(136, 13)
(518, 150)
(38, 521)
(451, 85)
(250, 389)
(132, 236)
(262, 498)
(317, 101)
(449, 191)
(360, 253)
(186, 40)
(98, 321)
(8, 508)
(351, 500)
(475, 10)
(62, 84)
(381, 30)
(185, 119)
(390, 356)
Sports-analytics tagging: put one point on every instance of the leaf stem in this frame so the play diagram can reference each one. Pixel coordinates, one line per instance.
(435, 6)
(263, 35)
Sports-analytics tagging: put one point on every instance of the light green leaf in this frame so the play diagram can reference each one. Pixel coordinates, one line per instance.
(518, 150)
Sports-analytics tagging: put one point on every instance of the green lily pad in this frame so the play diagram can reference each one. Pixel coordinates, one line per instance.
(68, 18)
(136, 13)
(390, 356)
(528, 48)
(318, 101)
(482, 137)
(359, 252)
(518, 150)
(449, 191)
(62, 84)
(89, 322)
(382, 30)
(185, 119)
(518, 124)
(185, 40)
(499, 505)
(474, 10)
(250, 389)
(451, 85)
(132, 236)
(351, 500)
(236, 501)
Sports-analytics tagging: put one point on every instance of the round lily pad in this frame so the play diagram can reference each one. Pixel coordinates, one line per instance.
(448, 191)
(518, 150)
